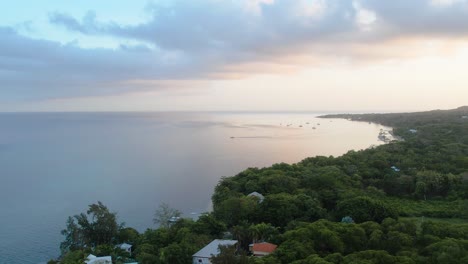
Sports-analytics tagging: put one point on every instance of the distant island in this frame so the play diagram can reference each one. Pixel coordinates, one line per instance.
(401, 202)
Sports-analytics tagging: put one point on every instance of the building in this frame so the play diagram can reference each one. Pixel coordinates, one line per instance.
(91, 259)
(262, 249)
(413, 131)
(173, 219)
(126, 247)
(258, 195)
(204, 255)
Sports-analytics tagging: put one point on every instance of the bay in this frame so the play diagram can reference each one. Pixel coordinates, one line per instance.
(53, 165)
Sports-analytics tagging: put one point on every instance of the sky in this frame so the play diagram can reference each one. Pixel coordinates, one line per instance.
(231, 55)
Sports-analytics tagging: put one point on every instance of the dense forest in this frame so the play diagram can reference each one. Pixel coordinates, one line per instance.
(402, 202)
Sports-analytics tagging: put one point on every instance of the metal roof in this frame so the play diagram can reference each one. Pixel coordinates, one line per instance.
(99, 260)
(213, 248)
(124, 246)
(258, 195)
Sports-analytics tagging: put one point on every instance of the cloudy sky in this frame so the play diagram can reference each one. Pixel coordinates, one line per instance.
(143, 55)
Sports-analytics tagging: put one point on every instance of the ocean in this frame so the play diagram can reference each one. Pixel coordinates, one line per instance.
(53, 165)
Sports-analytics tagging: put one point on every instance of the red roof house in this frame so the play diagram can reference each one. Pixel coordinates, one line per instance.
(262, 249)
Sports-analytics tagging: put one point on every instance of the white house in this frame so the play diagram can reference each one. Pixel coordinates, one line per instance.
(413, 131)
(126, 247)
(174, 219)
(91, 259)
(212, 249)
(258, 195)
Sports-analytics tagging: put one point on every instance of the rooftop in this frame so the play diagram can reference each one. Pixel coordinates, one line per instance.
(124, 246)
(91, 259)
(264, 247)
(213, 248)
(258, 195)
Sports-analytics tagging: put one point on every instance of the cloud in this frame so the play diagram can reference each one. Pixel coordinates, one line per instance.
(32, 68)
(421, 17)
(220, 25)
(86, 26)
(196, 40)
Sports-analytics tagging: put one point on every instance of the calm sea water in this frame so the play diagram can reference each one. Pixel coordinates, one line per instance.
(53, 165)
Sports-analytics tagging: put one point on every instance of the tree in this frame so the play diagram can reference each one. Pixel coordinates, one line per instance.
(147, 254)
(420, 189)
(163, 215)
(73, 257)
(371, 257)
(103, 225)
(208, 224)
(365, 208)
(262, 232)
(127, 235)
(177, 253)
(228, 255)
(74, 236)
(234, 210)
(243, 234)
(353, 237)
(448, 251)
(98, 226)
(312, 259)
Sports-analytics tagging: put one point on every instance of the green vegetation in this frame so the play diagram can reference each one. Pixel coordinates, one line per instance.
(354, 208)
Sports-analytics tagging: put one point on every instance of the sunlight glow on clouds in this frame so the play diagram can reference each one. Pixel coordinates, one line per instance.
(97, 52)
(364, 18)
(312, 8)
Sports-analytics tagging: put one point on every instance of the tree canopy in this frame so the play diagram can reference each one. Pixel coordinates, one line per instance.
(97, 227)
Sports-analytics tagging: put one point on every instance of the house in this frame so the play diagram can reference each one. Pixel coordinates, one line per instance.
(258, 195)
(204, 255)
(395, 168)
(174, 219)
(413, 131)
(262, 249)
(126, 247)
(91, 259)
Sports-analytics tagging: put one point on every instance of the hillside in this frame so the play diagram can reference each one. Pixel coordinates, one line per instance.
(402, 202)
(402, 120)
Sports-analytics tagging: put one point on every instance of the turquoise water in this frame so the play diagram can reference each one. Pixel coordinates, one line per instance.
(53, 165)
